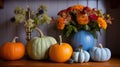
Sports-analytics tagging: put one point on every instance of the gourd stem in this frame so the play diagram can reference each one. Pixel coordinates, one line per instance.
(60, 37)
(80, 48)
(14, 39)
(40, 32)
(100, 45)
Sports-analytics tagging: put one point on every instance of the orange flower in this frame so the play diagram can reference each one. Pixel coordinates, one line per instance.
(61, 23)
(78, 7)
(102, 23)
(82, 19)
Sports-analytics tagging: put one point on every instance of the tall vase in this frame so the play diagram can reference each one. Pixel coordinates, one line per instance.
(84, 39)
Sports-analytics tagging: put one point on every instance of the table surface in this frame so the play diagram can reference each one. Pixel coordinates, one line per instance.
(113, 62)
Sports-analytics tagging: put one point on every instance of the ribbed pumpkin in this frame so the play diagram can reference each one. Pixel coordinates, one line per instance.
(60, 52)
(37, 48)
(81, 56)
(100, 53)
(12, 50)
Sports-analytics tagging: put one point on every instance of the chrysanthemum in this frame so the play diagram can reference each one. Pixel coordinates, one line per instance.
(78, 7)
(82, 19)
(102, 23)
(60, 23)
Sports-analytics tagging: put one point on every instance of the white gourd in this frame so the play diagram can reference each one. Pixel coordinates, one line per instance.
(81, 56)
(100, 53)
(37, 48)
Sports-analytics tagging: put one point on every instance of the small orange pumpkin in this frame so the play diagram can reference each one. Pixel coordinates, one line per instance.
(60, 52)
(12, 50)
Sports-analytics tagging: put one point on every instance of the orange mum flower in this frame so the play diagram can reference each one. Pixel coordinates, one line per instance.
(82, 19)
(102, 23)
(78, 7)
(61, 23)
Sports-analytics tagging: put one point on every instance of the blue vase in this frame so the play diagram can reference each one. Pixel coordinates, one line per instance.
(84, 39)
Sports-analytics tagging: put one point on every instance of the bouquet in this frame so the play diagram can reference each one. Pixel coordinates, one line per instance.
(34, 18)
(79, 17)
(31, 19)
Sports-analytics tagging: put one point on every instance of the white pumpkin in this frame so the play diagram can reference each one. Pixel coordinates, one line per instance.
(37, 48)
(100, 53)
(81, 56)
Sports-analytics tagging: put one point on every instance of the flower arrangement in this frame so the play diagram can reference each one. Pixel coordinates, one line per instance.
(37, 17)
(79, 17)
(31, 19)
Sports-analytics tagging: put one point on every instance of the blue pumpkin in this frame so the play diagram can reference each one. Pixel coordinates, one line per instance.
(84, 39)
(100, 53)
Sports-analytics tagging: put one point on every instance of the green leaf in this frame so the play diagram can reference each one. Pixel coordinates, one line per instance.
(86, 27)
(93, 32)
(68, 30)
(74, 29)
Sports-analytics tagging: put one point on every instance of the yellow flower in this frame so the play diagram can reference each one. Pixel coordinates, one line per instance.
(78, 7)
(82, 19)
(61, 23)
(102, 23)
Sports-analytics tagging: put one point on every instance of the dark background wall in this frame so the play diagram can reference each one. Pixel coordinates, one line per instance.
(113, 31)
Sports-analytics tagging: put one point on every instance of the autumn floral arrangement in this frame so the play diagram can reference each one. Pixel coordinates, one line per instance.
(79, 17)
(30, 18)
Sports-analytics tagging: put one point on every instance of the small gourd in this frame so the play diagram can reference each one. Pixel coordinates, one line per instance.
(80, 56)
(38, 47)
(60, 52)
(100, 53)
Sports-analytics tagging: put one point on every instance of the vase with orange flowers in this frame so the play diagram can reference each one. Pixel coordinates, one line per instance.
(78, 18)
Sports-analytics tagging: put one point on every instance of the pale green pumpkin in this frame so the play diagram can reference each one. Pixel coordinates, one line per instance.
(37, 48)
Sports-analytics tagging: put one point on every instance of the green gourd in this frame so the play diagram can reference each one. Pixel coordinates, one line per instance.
(81, 56)
(100, 53)
(38, 47)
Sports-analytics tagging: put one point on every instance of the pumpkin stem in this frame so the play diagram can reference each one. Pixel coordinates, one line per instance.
(100, 45)
(80, 49)
(60, 37)
(14, 39)
(40, 32)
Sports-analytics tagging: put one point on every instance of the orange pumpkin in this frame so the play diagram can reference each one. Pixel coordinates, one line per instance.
(12, 50)
(60, 52)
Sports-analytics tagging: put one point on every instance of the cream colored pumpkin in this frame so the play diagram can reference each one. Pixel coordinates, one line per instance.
(37, 48)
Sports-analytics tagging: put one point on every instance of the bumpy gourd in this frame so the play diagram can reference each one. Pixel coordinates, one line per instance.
(81, 56)
(37, 48)
(100, 53)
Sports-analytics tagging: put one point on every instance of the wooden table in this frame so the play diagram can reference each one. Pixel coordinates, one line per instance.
(113, 62)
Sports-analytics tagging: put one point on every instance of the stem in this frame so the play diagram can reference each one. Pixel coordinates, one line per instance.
(14, 39)
(80, 48)
(28, 12)
(40, 32)
(60, 37)
(100, 45)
